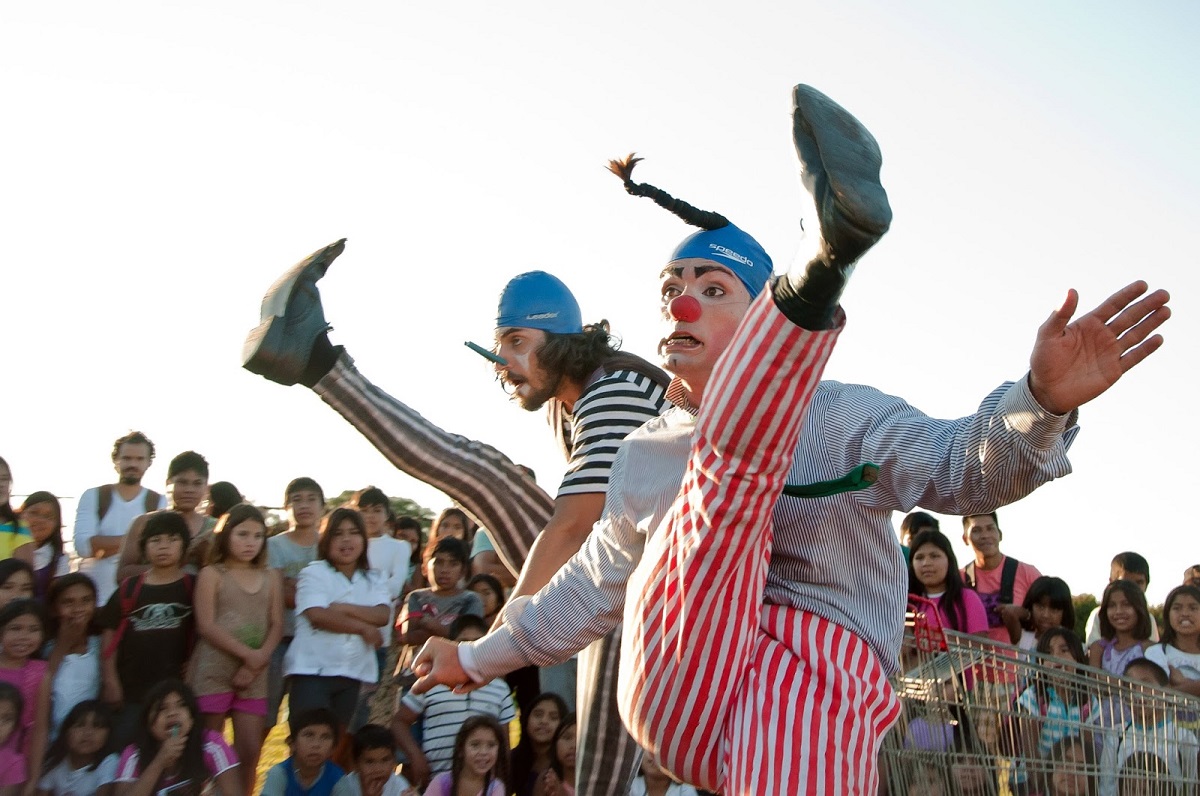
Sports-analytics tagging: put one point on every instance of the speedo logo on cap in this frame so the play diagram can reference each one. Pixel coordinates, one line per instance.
(730, 254)
(541, 316)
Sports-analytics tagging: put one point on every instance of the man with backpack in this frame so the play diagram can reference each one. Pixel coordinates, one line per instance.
(105, 513)
(1001, 581)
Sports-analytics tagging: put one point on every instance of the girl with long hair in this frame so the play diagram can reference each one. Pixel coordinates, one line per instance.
(480, 763)
(531, 756)
(42, 515)
(22, 633)
(15, 541)
(933, 574)
(172, 749)
(1178, 653)
(81, 759)
(1047, 605)
(74, 647)
(341, 604)
(1124, 628)
(239, 616)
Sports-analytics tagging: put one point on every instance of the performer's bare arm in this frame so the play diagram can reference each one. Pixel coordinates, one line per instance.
(488, 562)
(564, 534)
(106, 546)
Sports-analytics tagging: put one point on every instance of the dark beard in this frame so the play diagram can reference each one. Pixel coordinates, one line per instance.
(538, 399)
(131, 480)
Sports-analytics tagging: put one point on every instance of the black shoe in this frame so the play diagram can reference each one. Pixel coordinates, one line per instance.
(293, 321)
(841, 169)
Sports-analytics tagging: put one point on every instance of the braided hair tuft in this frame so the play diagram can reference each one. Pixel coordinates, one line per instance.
(694, 216)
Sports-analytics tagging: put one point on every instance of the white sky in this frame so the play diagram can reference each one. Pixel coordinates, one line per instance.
(164, 162)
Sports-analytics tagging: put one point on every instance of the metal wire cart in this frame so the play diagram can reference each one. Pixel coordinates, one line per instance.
(982, 719)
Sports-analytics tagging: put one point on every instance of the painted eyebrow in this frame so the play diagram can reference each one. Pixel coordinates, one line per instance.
(701, 270)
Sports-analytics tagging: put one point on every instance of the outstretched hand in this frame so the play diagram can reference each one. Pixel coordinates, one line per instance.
(1075, 361)
(437, 664)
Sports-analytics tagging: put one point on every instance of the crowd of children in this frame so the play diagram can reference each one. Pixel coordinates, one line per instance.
(1087, 741)
(134, 696)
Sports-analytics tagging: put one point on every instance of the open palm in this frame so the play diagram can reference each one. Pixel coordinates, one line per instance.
(1075, 361)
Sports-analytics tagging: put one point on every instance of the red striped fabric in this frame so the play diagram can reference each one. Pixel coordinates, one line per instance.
(727, 693)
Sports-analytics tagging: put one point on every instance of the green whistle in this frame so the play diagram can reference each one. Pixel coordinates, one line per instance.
(860, 477)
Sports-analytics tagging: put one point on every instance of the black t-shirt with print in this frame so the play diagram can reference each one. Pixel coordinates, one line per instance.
(157, 639)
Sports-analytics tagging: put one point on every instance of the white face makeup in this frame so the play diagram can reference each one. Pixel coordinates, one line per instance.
(530, 385)
(691, 345)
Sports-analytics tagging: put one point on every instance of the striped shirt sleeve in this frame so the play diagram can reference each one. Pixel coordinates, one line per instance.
(608, 411)
(507, 712)
(415, 702)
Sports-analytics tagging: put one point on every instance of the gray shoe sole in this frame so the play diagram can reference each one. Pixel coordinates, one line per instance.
(278, 348)
(841, 161)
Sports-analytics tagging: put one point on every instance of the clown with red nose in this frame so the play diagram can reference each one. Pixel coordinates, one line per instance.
(706, 289)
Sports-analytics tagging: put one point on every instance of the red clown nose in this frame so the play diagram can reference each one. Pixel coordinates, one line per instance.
(684, 308)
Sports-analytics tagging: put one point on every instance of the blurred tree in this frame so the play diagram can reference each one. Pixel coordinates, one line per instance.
(277, 518)
(400, 507)
(404, 507)
(1084, 605)
(1156, 611)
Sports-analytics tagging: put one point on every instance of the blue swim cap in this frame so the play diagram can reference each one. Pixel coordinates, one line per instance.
(537, 300)
(732, 248)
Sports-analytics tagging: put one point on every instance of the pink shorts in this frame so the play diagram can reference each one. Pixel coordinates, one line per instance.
(220, 704)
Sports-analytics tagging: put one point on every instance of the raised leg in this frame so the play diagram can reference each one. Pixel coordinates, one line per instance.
(695, 600)
(489, 486)
(694, 677)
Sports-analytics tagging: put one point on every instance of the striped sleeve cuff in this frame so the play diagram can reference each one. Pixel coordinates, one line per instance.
(466, 659)
(496, 654)
(1025, 415)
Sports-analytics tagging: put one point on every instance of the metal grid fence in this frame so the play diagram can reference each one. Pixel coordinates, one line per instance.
(983, 719)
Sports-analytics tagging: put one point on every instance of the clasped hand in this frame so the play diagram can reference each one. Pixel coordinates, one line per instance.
(438, 664)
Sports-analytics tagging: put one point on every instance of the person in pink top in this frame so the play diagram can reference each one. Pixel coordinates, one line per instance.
(12, 762)
(933, 574)
(1000, 581)
(173, 749)
(22, 633)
